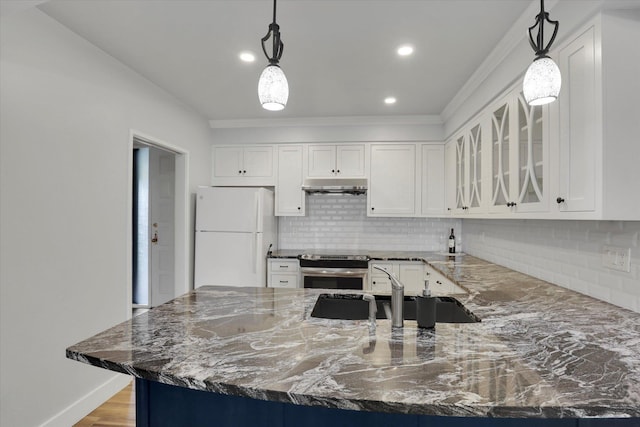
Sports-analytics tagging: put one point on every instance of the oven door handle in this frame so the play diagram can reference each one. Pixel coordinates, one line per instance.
(334, 272)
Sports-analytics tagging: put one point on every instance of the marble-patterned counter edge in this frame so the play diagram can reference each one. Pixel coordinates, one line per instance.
(573, 356)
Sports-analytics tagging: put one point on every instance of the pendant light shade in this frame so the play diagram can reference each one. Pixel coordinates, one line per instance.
(542, 82)
(273, 88)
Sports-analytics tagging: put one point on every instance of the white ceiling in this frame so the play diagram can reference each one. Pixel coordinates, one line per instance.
(339, 55)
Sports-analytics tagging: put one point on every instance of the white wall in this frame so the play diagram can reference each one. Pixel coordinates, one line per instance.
(66, 110)
(566, 253)
(341, 222)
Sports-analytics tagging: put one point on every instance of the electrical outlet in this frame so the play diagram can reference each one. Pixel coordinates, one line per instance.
(616, 258)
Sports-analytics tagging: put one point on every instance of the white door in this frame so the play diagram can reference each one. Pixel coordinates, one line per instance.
(162, 232)
(229, 259)
(227, 162)
(392, 186)
(350, 160)
(289, 196)
(432, 180)
(578, 130)
(257, 161)
(322, 161)
(228, 209)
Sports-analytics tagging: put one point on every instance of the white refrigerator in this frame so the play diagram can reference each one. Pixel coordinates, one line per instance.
(235, 227)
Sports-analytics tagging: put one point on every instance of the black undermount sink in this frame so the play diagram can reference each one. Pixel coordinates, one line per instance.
(354, 307)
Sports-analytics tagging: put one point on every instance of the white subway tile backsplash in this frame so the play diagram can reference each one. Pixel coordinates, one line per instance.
(340, 222)
(567, 253)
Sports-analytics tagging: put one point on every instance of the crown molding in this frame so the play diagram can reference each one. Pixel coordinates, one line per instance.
(419, 120)
(505, 46)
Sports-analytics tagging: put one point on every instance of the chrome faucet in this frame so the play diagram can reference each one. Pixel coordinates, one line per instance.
(397, 298)
(373, 308)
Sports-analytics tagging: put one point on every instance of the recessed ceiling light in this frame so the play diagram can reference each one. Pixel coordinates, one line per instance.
(405, 50)
(247, 57)
(390, 100)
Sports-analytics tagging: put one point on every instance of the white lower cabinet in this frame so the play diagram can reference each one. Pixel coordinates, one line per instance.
(410, 274)
(378, 281)
(283, 273)
(440, 285)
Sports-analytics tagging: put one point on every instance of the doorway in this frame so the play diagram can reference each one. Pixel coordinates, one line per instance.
(158, 223)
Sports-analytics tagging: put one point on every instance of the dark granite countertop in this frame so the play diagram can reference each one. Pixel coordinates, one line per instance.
(540, 350)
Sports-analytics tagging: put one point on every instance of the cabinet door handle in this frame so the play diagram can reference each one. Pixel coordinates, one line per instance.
(298, 207)
(284, 266)
(244, 171)
(559, 200)
(372, 208)
(333, 171)
(284, 281)
(338, 171)
(240, 172)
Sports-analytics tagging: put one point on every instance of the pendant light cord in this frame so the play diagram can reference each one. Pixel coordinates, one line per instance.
(274, 11)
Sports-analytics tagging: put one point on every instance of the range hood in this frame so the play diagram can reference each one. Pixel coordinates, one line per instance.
(335, 185)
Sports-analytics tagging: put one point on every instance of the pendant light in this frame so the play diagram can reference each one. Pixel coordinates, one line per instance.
(273, 88)
(542, 81)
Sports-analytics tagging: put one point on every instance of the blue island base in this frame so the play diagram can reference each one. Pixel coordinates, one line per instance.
(160, 405)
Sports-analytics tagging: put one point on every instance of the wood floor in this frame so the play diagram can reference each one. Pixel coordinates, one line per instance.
(119, 411)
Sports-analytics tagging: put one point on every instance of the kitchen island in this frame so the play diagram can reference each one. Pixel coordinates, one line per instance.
(542, 355)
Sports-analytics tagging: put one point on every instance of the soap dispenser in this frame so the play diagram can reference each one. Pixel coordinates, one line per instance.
(426, 308)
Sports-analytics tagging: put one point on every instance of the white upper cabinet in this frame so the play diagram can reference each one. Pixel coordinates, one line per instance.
(432, 193)
(501, 130)
(465, 165)
(346, 160)
(243, 165)
(290, 199)
(531, 157)
(519, 155)
(595, 123)
(393, 184)
(580, 125)
(475, 138)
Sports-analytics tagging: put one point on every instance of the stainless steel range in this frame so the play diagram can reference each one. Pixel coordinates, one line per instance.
(334, 271)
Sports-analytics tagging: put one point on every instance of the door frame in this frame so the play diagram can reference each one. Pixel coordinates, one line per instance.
(181, 211)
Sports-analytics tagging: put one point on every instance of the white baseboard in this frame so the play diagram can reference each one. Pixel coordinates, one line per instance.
(82, 407)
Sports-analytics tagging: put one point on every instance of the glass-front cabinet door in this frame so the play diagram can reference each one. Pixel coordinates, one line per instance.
(468, 145)
(499, 162)
(461, 174)
(475, 167)
(500, 158)
(519, 156)
(532, 151)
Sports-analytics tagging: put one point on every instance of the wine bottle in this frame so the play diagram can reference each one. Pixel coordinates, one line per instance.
(452, 243)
